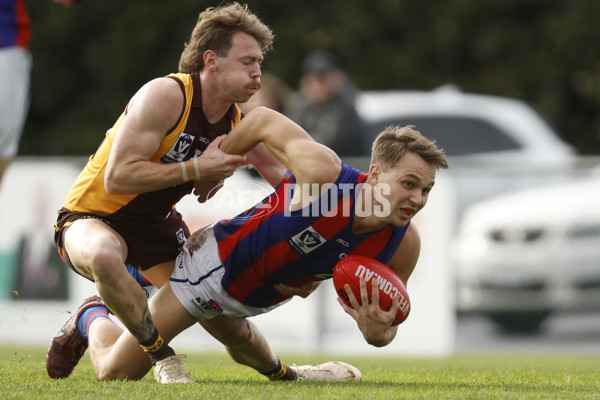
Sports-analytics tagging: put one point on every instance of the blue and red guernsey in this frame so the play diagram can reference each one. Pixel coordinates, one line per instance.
(15, 27)
(268, 244)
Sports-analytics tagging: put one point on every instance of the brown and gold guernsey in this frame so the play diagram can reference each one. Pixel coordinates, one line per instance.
(145, 212)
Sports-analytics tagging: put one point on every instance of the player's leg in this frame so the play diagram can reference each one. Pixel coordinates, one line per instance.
(15, 67)
(171, 318)
(159, 274)
(97, 252)
(247, 345)
(116, 354)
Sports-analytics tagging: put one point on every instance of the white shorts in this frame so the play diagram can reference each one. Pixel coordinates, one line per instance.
(15, 69)
(196, 282)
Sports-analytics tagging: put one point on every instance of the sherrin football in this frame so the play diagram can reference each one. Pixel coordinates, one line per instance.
(350, 269)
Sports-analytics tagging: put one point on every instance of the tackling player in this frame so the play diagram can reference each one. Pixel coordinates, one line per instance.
(238, 266)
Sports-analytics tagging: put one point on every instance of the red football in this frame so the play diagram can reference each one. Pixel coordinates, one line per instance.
(350, 269)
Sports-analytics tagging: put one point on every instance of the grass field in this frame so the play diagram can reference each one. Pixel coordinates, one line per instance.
(23, 376)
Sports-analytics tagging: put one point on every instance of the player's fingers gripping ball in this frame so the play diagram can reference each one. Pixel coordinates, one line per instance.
(350, 269)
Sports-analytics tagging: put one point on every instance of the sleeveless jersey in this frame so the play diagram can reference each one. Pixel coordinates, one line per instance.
(15, 29)
(188, 139)
(268, 244)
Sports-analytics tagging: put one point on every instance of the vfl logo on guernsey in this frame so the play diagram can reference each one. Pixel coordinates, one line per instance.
(306, 241)
(179, 150)
(180, 234)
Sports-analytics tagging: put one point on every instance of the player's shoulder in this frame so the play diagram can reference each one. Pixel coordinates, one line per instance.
(347, 173)
(164, 86)
(159, 95)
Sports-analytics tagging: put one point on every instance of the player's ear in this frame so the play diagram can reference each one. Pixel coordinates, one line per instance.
(210, 58)
(374, 172)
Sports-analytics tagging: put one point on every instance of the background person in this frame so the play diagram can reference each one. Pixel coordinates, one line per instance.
(15, 75)
(15, 70)
(324, 106)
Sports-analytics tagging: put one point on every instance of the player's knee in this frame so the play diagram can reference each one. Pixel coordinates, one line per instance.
(104, 265)
(238, 336)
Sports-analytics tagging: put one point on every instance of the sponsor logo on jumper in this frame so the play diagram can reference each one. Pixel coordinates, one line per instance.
(179, 150)
(306, 241)
(343, 242)
(385, 286)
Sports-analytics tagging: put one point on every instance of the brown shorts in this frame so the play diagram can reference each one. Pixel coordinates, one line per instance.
(148, 243)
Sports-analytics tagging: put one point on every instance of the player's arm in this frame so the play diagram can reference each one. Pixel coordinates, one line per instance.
(266, 164)
(291, 145)
(152, 112)
(405, 258)
(374, 323)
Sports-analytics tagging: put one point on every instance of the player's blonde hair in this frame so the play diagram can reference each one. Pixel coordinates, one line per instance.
(391, 144)
(214, 31)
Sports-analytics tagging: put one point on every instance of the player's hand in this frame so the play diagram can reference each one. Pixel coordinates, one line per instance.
(303, 291)
(215, 165)
(374, 323)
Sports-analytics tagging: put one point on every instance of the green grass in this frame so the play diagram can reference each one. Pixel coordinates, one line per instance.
(23, 376)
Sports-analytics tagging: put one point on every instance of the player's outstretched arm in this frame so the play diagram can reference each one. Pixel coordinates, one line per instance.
(266, 164)
(308, 160)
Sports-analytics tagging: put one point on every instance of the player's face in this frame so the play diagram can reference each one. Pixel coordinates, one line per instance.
(239, 72)
(409, 182)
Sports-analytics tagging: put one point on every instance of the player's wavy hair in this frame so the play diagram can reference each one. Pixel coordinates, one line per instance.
(214, 31)
(391, 144)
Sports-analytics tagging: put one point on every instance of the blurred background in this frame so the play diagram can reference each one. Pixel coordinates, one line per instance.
(510, 88)
(90, 58)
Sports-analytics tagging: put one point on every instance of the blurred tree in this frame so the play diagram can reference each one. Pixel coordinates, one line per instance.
(89, 59)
